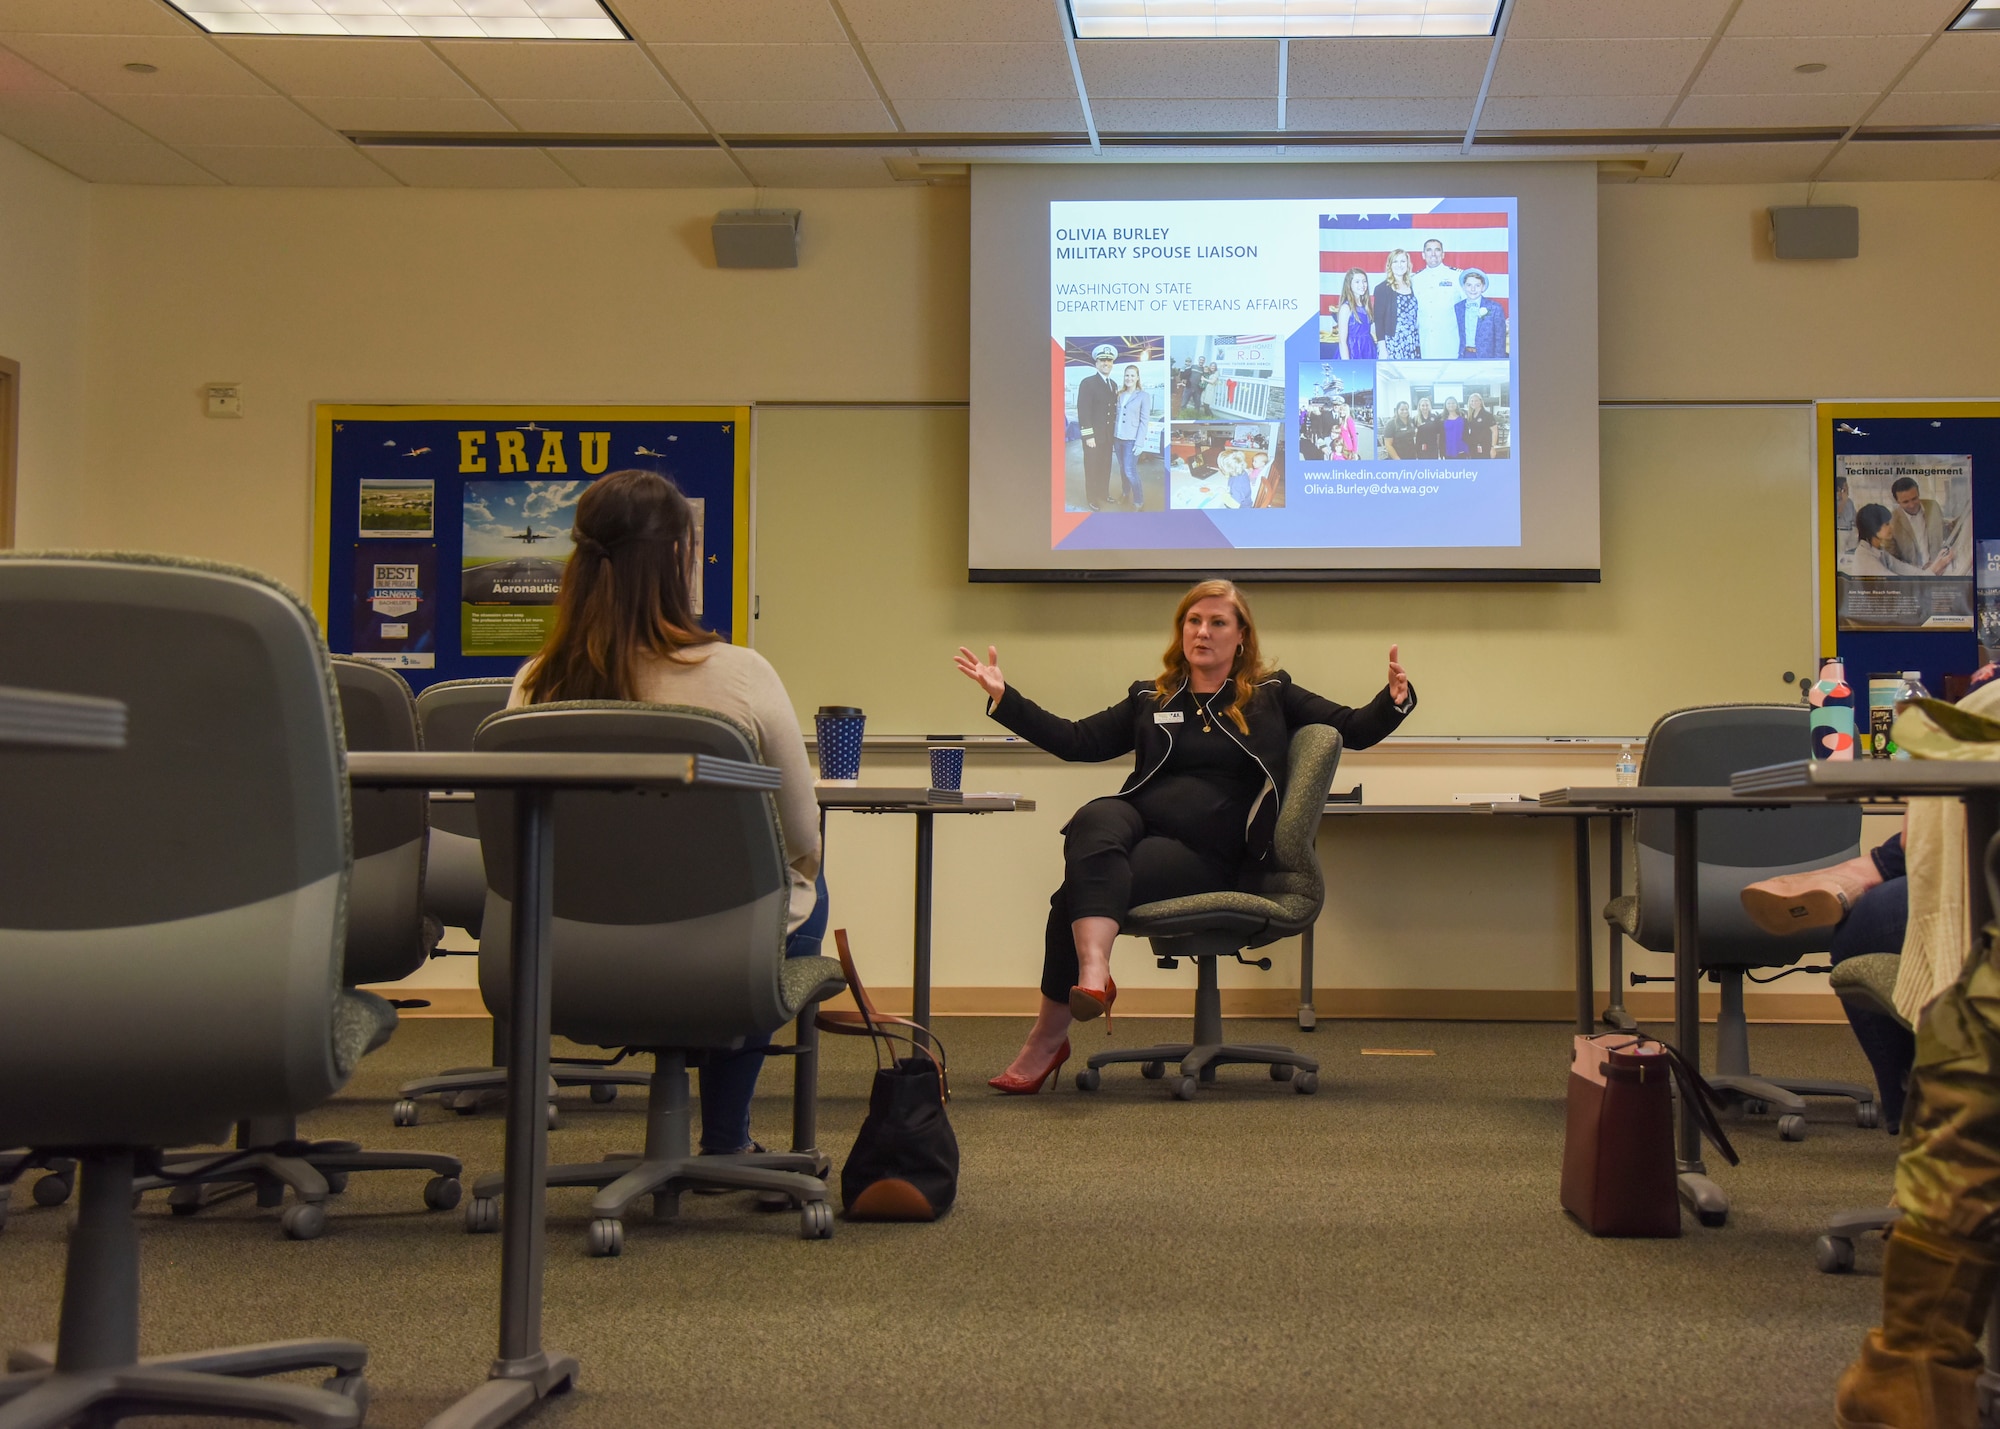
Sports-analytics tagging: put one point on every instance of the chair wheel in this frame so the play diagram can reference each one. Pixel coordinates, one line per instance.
(482, 1215)
(1306, 1083)
(336, 1181)
(603, 1092)
(303, 1220)
(1791, 1127)
(1152, 1071)
(350, 1386)
(552, 1116)
(441, 1193)
(815, 1221)
(1833, 1254)
(185, 1206)
(464, 1107)
(404, 1113)
(1089, 1079)
(1282, 1071)
(606, 1237)
(53, 1189)
(1868, 1115)
(1184, 1089)
(1753, 1107)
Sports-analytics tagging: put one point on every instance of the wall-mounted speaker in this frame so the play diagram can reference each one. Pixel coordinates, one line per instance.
(756, 238)
(1821, 231)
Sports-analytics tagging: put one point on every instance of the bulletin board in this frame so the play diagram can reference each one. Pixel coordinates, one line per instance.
(1883, 608)
(440, 533)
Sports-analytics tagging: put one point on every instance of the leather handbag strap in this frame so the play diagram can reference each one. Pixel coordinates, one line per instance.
(1698, 1097)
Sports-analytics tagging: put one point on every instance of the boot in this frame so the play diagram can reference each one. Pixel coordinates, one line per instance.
(1920, 1370)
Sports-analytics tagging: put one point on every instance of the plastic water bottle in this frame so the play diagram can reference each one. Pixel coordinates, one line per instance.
(1628, 767)
(1911, 689)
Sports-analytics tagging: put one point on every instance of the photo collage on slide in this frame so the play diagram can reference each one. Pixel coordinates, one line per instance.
(1415, 340)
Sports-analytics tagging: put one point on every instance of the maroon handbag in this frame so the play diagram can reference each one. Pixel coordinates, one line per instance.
(1618, 1142)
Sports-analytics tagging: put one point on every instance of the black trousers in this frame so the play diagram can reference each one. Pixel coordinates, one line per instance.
(1097, 481)
(1111, 864)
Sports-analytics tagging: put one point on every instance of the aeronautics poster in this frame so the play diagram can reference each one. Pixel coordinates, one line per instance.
(1279, 373)
(443, 532)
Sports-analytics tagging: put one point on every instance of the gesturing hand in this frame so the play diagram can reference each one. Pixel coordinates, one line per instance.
(1399, 682)
(987, 676)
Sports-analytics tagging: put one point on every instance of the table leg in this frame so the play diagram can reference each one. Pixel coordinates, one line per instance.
(920, 989)
(1308, 1015)
(1615, 1014)
(524, 1372)
(1586, 993)
(1700, 1194)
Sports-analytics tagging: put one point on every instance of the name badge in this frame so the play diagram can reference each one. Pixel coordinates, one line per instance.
(1167, 717)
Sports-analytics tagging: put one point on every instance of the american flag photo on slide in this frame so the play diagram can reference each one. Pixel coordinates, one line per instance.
(1364, 241)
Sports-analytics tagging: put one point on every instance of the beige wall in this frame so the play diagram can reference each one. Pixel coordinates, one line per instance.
(44, 237)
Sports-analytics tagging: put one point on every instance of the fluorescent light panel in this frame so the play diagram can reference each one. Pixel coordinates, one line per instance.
(407, 19)
(1282, 19)
(1979, 15)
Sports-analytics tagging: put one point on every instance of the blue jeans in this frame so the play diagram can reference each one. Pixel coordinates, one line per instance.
(1125, 454)
(729, 1079)
(1875, 925)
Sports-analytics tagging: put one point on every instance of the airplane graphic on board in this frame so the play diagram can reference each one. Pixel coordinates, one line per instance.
(529, 534)
(1853, 430)
(532, 427)
(646, 451)
(417, 451)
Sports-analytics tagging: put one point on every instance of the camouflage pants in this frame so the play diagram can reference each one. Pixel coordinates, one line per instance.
(1948, 1172)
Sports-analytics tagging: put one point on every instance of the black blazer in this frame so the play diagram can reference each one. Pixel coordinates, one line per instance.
(1276, 708)
(1384, 310)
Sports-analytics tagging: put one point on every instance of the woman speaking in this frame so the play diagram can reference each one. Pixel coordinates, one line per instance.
(1212, 734)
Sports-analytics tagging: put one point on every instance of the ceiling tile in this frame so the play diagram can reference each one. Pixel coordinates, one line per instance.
(371, 69)
(1764, 64)
(1941, 159)
(184, 119)
(610, 116)
(650, 168)
(1550, 69)
(188, 64)
(798, 116)
(1604, 111)
(1771, 111)
(818, 169)
(1596, 20)
(766, 72)
(981, 71)
(1179, 69)
(92, 17)
(1384, 69)
(18, 76)
(1842, 17)
(473, 168)
(983, 116)
(1961, 59)
(551, 69)
(261, 166)
(38, 118)
(1176, 115)
(143, 163)
(382, 116)
(993, 21)
(1749, 163)
(1379, 116)
(1955, 107)
(702, 22)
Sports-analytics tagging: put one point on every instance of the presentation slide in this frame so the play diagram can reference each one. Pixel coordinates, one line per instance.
(1283, 373)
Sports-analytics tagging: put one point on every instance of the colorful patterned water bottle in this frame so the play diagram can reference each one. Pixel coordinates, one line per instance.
(1832, 717)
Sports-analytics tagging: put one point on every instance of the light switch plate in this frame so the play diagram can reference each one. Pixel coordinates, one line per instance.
(224, 399)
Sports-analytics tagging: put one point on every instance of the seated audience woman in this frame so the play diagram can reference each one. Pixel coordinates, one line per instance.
(1212, 734)
(625, 630)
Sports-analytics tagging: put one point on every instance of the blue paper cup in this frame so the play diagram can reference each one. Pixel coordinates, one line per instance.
(839, 730)
(947, 766)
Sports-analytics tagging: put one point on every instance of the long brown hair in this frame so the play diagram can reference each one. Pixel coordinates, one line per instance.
(1245, 672)
(624, 592)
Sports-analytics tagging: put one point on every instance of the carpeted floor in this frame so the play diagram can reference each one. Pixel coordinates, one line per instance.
(1386, 1253)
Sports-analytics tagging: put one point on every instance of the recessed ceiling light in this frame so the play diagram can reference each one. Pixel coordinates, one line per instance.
(407, 19)
(1279, 19)
(1814, 68)
(141, 67)
(1979, 15)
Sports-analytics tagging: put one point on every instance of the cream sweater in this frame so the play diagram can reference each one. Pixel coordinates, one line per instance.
(1939, 936)
(741, 684)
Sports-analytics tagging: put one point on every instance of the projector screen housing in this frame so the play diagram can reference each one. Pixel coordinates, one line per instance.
(1221, 267)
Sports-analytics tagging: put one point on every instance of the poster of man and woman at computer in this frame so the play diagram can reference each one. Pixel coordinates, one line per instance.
(1903, 548)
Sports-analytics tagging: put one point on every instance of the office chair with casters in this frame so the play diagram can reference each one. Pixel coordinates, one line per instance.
(171, 921)
(668, 938)
(388, 938)
(1704, 746)
(1211, 926)
(455, 895)
(1867, 982)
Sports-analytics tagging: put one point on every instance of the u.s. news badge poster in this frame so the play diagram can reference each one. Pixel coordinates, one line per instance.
(441, 533)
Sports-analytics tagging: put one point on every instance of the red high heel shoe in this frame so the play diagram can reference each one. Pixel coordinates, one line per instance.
(1088, 1002)
(1016, 1086)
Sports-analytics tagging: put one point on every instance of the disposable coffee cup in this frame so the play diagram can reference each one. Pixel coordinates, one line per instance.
(947, 760)
(839, 730)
